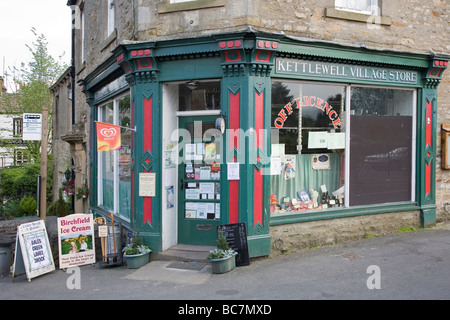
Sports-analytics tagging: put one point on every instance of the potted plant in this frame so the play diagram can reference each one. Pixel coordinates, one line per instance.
(82, 192)
(136, 254)
(223, 259)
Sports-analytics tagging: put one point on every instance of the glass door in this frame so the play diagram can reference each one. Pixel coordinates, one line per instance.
(199, 180)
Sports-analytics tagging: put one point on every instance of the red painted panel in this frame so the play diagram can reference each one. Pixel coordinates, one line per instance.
(428, 142)
(234, 185)
(429, 123)
(258, 198)
(148, 120)
(258, 190)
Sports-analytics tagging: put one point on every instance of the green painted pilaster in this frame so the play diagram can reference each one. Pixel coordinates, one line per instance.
(139, 65)
(427, 139)
(247, 62)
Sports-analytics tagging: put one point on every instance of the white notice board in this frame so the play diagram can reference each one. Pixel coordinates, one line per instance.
(33, 255)
(32, 126)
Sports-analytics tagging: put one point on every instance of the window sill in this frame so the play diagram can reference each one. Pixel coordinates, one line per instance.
(166, 7)
(359, 17)
(335, 213)
(111, 38)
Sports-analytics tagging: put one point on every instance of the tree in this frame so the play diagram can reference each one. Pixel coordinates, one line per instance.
(33, 82)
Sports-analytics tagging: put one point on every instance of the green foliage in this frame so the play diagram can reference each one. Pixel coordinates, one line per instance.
(28, 206)
(18, 182)
(222, 241)
(136, 246)
(59, 208)
(11, 209)
(223, 250)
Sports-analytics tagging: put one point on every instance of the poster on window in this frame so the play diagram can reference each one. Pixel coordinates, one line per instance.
(320, 161)
(76, 240)
(288, 166)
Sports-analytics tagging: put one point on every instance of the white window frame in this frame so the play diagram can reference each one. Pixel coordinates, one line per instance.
(115, 100)
(110, 10)
(373, 7)
(348, 132)
(83, 33)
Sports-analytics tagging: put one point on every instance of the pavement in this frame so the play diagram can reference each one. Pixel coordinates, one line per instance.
(403, 266)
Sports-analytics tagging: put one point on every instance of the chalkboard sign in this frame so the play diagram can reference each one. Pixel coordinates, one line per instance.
(236, 235)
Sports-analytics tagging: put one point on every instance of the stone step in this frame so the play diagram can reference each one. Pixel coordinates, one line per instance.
(183, 252)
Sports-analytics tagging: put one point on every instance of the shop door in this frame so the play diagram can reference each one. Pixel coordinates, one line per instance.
(199, 181)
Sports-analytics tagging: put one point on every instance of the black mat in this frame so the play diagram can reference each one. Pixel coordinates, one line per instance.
(187, 265)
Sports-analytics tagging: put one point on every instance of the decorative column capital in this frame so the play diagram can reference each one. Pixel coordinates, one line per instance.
(138, 63)
(433, 75)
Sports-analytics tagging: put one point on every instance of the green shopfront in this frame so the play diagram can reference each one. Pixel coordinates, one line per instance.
(311, 130)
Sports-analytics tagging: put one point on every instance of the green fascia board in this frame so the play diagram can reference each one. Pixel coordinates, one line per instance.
(358, 53)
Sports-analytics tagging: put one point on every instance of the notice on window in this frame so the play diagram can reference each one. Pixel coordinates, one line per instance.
(147, 184)
(233, 170)
(317, 140)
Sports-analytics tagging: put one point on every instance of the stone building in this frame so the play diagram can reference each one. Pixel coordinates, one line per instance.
(311, 122)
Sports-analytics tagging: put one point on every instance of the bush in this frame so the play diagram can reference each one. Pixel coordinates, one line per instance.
(18, 182)
(28, 206)
(12, 209)
(59, 208)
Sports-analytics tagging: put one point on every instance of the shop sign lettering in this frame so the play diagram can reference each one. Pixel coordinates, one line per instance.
(307, 101)
(344, 71)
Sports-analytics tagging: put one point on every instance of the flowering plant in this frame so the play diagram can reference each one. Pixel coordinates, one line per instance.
(82, 192)
(69, 187)
(136, 246)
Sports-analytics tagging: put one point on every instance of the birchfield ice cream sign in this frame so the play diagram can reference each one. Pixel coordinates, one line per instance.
(344, 71)
(76, 240)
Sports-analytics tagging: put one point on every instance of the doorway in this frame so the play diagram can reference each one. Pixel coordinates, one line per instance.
(199, 176)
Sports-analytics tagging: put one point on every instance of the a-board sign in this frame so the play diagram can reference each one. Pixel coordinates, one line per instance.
(236, 235)
(76, 240)
(33, 255)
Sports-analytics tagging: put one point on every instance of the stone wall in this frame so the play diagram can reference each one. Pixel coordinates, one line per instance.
(290, 238)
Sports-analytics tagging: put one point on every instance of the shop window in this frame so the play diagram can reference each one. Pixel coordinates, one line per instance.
(114, 167)
(308, 146)
(381, 145)
(324, 157)
(196, 96)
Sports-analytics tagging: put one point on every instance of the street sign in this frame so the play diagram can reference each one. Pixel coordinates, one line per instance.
(32, 126)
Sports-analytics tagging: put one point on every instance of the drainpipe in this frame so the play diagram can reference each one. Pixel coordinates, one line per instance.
(73, 7)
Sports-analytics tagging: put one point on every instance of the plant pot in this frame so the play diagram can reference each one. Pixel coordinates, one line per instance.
(136, 261)
(223, 265)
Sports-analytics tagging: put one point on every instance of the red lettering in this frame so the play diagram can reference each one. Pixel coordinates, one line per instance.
(337, 123)
(328, 108)
(288, 108)
(330, 115)
(282, 114)
(319, 104)
(310, 103)
(279, 123)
